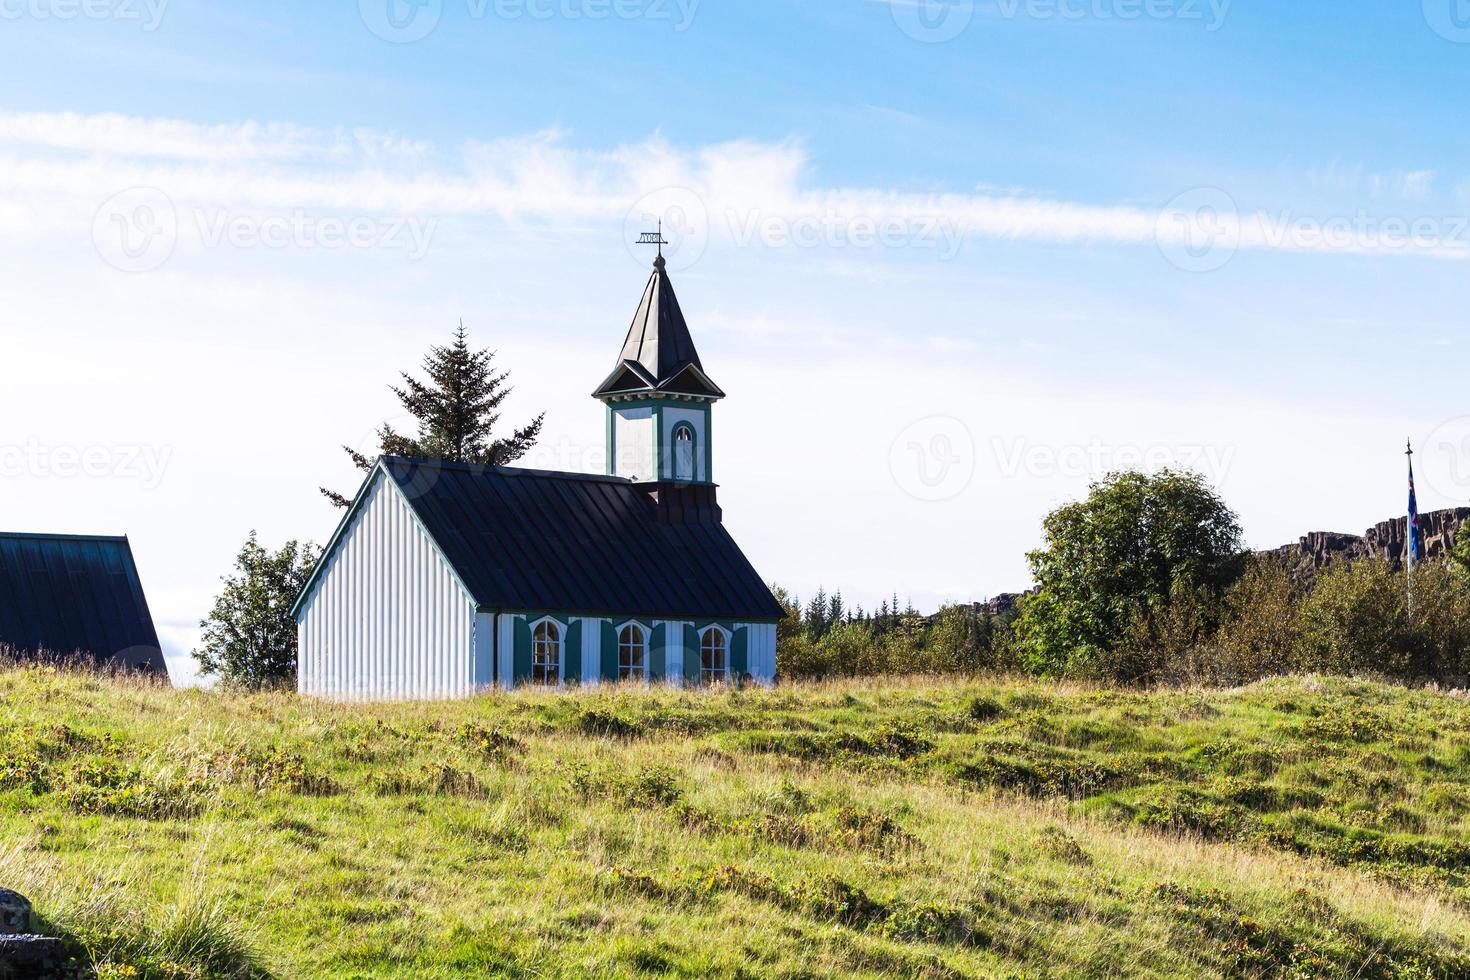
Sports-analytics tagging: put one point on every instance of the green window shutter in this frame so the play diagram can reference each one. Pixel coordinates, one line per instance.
(740, 653)
(658, 653)
(521, 665)
(609, 652)
(691, 657)
(571, 651)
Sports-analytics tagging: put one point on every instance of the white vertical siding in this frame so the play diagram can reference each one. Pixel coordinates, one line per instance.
(484, 672)
(507, 632)
(760, 652)
(674, 651)
(591, 652)
(633, 440)
(386, 619)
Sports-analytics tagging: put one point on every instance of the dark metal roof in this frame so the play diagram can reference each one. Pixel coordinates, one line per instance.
(570, 542)
(63, 595)
(659, 351)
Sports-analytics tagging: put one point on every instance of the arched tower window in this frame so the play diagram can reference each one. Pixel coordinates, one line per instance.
(712, 664)
(632, 653)
(684, 452)
(546, 653)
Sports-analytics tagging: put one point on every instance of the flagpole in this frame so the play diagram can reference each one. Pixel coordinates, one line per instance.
(1409, 541)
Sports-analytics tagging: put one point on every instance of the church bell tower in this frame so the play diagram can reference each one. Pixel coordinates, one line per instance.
(659, 405)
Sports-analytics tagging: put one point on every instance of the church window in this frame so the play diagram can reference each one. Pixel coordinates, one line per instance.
(632, 653)
(684, 452)
(546, 654)
(712, 656)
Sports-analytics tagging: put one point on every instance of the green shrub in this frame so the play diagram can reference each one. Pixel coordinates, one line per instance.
(1113, 563)
(1357, 621)
(107, 787)
(1261, 628)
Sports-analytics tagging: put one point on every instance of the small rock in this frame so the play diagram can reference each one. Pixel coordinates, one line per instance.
(29, 956)
(15, 913)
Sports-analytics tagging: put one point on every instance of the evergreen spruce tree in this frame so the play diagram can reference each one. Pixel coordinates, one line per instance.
(816, 616)
(457, 410)
(836, 612)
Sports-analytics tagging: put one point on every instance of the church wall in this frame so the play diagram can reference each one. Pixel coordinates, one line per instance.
(632, 451)
(699, 420)
(386, 618)
(589, 653)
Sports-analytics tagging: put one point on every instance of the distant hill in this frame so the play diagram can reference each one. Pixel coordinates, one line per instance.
(1384, 540)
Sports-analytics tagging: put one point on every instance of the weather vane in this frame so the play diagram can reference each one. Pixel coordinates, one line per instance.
(654, 238)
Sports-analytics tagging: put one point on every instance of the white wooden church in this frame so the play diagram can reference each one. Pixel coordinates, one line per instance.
(446, 579)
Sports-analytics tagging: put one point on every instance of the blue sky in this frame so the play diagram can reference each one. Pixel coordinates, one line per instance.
(1052, 294)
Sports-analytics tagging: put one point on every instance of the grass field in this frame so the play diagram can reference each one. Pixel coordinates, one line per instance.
(921, 827)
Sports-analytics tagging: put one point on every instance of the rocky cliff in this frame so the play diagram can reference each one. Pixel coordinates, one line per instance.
(1385, 540)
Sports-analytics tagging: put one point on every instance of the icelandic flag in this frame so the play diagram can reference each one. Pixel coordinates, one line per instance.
(1416, 534)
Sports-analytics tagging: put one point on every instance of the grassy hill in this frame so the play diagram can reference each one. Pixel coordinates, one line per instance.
(924, 827)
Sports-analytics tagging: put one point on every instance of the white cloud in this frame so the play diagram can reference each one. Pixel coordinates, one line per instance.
(751, 192)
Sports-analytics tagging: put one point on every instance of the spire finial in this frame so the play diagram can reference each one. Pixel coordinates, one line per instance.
(655, 238)
(1410, 444)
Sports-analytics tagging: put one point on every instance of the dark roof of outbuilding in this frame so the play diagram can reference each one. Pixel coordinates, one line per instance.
(522, 539)
(659, 354)
(65, 595)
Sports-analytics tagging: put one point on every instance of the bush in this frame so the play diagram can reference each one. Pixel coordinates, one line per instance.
(1260, 629)
(1171, 642)
(1357, 621)
(1440, 625)
(1112, 565)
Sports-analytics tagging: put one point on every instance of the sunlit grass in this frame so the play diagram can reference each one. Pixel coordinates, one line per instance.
(896, 827)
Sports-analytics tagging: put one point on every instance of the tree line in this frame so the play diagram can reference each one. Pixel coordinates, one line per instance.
(1147, 581)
